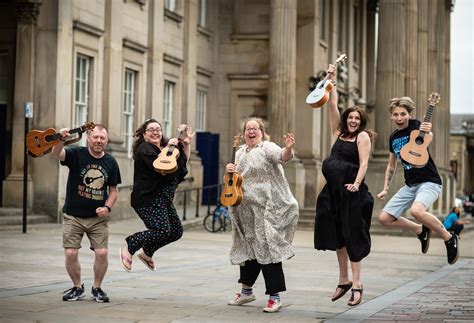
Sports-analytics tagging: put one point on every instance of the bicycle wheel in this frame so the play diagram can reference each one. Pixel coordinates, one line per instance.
(226, 223)
(212, 223)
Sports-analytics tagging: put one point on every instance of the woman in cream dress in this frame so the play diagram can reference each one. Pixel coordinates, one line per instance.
(264, 223)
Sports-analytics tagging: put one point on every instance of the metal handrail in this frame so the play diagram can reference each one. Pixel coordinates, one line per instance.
(198, 196)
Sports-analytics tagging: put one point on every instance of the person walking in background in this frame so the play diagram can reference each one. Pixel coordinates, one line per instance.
(452, 223)
(264, 224)
(344, 206)
(153, 193)
(90, 196)
(422, 185)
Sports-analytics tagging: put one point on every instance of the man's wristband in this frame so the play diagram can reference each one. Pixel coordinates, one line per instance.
(108, 208)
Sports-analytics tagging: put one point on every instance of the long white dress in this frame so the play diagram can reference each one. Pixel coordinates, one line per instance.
(264, 223)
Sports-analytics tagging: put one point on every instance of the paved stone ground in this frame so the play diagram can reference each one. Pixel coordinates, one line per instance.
(194, 280)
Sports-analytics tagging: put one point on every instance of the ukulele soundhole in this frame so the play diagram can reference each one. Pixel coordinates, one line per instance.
(419, 141)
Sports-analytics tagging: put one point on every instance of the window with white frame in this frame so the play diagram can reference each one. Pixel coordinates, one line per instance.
(201, 107)
(81, 97)
(168, 108)
(170, 5)
(202, 13)
(129, 91)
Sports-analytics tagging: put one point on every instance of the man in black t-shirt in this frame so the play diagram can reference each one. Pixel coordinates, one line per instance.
(422, 185)
(90, 195)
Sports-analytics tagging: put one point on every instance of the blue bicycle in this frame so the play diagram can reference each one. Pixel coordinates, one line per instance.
(218, 220)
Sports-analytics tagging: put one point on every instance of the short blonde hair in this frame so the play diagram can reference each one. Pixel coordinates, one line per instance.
(261, 125)
(404, 102)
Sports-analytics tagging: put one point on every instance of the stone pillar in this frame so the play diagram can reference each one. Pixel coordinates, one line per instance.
(391, 60)
(411, 30)
(27, 13)
(113, 72)
(154, 96)
(190, 84)
(282, 92)
(371, 55)
(282, 68)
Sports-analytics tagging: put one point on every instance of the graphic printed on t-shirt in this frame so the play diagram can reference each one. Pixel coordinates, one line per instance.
(93, 179)
(397, 145)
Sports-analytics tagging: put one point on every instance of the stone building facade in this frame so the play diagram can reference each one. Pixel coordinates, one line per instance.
(210, 64)
(462, 152)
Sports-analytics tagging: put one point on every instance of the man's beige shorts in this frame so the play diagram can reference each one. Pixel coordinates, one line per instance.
(97, 230)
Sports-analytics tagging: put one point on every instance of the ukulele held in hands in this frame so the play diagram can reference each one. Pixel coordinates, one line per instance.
(167, 163)
(415, 152)
(40, 143)
(320, 95)
(232, 192)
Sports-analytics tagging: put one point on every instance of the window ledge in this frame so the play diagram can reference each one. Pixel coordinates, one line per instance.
(204, 31)
(323, 43)
(173, 16)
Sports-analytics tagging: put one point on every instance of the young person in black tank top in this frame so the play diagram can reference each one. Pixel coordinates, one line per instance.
(344, 206)
(423, 185)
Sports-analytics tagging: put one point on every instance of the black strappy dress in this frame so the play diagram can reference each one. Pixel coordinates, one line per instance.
(343, 217)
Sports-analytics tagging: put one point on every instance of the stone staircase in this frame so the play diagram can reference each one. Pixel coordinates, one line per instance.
(306, 222)
(306, 219)
(14, 216)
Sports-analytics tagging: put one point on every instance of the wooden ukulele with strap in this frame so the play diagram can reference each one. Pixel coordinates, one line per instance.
(167, 160)
(40, 143)
(232, 194)
(415, 151)
(320, 95)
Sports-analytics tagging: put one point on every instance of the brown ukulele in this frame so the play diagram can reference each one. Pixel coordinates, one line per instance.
(40, 143)
(415, 151)
(166, 162)
(232, 193)
(320, 95)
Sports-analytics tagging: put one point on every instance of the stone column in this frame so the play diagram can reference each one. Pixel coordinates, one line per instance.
(390, 76)
(154, 96)
(371, 15)
(27, 13)
(188, 112)
(411, 29)
(113, 72)
(282, 92)
(282, 68)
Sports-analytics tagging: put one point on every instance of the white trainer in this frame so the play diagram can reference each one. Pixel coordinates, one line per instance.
(272, 306)
(241, 299)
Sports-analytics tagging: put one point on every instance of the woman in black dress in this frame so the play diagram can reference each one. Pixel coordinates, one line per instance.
(344, 206)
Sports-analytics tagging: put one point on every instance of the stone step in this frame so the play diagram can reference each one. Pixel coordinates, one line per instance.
(18, 219)
(7, 211)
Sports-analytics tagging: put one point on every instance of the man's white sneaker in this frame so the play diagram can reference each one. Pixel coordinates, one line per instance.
(272, 306)
(241, 299)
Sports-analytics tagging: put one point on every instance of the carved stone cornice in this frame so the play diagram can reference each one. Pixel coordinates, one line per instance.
(27, 12)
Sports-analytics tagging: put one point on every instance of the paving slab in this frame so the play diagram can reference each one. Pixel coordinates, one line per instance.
(194, 280)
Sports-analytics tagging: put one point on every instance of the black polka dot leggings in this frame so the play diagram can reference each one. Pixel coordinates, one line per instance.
(163, 224)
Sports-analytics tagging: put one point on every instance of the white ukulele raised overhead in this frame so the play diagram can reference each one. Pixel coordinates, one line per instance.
(320, 95)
